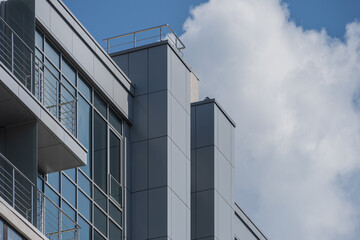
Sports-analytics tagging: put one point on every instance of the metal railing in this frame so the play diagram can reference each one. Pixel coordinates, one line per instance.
(142, 37)
(41, 81)
(18, 191)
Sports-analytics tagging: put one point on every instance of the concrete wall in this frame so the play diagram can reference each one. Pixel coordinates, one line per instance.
(86, 53)
(160, 139)
(212, 172)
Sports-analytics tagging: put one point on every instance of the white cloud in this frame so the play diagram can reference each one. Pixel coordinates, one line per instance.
(293, 94)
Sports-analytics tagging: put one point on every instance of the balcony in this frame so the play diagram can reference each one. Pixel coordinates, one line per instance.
(20, 193)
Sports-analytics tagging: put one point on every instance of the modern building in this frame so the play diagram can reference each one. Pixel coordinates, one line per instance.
(108, 143)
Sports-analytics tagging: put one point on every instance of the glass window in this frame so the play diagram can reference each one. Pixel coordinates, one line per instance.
(84, 183)
(97, 236)
(115, 213)
(100, 152)
(71, 173)
(40, 184)
(52, 53)
(115, 121)
(114, 232)
(68, 106)
(100, 220)
(54, 180)
(100, 105)
(51, 195)
(68, 71)
(85, 230)
(12, 235)
(100, 199)
(84, 205)
(68, 190)
(39, 55)
(1, 229)
(84, 88)
(84, 130)
(39, 40)
(71, 214)
(114, 156)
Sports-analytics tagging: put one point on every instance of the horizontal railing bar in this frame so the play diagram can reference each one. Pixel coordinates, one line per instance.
(15, 34)
(13, 166)
(139, 31)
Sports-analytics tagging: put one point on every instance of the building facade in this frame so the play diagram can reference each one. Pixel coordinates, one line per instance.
(108, 143)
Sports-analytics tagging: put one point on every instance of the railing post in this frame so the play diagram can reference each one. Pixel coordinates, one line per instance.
(13, 183)
(31, 73)
(32, 205)
(108, 46)
(134, 39)
(160, 34)
(12, 52)
(42, 219)
(60, 225)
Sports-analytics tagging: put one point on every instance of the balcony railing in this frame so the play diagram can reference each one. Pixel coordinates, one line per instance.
(18, 191)
(37, 78)
(142, 37)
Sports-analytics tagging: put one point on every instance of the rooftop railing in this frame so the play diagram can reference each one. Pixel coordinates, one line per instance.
(143, 37)
(37, 78)
(19, 192)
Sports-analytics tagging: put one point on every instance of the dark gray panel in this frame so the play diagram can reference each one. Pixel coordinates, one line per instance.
(158, 212)
(204, 125)
(2, 141)
(158, 162)
(139, 166)
(138, 71)
(158, 68)
(193, 126)
(139, 215)
(205, 175)
(158, 114)
(204, 210)
(139, 131)
(123, 62)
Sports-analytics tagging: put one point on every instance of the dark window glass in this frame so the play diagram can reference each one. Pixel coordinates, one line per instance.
(68, 190)
(100, 153)
(84, 88)
(39, 55)
(12, 235)
(97, 236)
(100, 105)
(100, 220)
(54, 180)
(51, 195)
(84, 183)
(54, 73)
(68, 221)
(84, 131)
(39, 40)
(85, 230)
(114, 156)
(115, 214)
(115, 121)
(40, 184)
(68, 71)
(114, 232)
(84, 205)
(100, 199)
(52, 54)
(71, 173)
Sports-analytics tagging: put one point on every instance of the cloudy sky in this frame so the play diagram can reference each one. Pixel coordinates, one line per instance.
(292, 84)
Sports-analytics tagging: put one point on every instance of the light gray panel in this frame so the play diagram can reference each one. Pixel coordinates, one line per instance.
(204, 203)
(158, 162)
(179, 123)
(178, 173)
(241, 231)
(179, 219)
(140, 129)
(224, 135)
(225, 219)
(179, 82)
(42, 11)
(225, 181)
(139, 166)
(123, 62)
(204, 168)
(204, 125)
(158, 211)
(158, 68)
(123, 99)
(158, 114)
(139, 215)
(104, 77)
(138, 71)
(83, 54)
(61, 30)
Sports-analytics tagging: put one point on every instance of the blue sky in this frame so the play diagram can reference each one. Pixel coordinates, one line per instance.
(114, 17)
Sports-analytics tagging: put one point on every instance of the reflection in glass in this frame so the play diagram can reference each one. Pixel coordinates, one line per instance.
(12, 235)
(68, 71)
(54, 180)
(84, 205)
(39, 40)
(70, 212)
(100, 105)
(1, 229)
(52, 54)
(114, 232)
(84, 183)
(100, 153)
(115, 214)
(51, 195)
(71, 173)
(100, 199)
(84, 88)
(114, 156)
(84, 130)
(68, 190)
(85, 230)
(97, 236)
(115, 121)
(100, 220)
